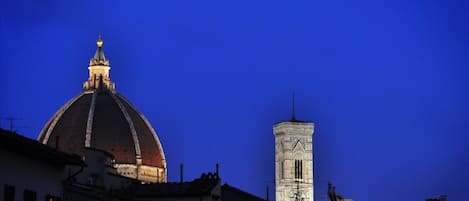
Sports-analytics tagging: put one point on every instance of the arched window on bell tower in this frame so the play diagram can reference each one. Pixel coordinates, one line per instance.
(282, 169)
(298, 169)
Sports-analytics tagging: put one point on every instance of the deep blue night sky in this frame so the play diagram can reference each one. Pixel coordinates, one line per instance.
(385, 83)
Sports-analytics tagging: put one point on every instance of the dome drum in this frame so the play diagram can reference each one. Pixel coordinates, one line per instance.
(142, 172)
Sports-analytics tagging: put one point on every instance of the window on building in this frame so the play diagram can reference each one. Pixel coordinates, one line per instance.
(298, 169)
(52, 198)
(9, 193)
(29, 195)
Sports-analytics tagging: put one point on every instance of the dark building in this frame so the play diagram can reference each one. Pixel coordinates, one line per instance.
(231, 193)
(441, 198)
(333, 195)
(33, 171)
(205, 188)
(37, 172)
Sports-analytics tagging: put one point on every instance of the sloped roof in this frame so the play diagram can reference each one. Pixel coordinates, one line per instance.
(198, 187)
(16, 143)
(230, 193)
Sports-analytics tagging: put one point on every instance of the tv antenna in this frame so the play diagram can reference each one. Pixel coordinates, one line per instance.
(11, 120)
(293, 107)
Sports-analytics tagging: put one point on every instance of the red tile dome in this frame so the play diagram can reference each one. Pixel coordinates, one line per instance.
(101, 118)
(116, 127)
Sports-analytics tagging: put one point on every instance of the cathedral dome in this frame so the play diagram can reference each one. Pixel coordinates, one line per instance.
(101, 118)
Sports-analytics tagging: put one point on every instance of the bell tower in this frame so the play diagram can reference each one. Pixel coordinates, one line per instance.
(294, 160)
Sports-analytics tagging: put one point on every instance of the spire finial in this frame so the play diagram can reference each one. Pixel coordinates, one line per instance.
(293, 107)
(99, 58)
(99, 70)
(99, 42)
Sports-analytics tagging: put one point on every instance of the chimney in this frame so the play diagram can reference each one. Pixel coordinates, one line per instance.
(267, 193)
(181, 168)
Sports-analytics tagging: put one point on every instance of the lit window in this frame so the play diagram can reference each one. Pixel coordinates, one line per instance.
(52, 198)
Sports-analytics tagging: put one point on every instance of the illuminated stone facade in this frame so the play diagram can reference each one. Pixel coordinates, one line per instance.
(294, 161)
(142, 172)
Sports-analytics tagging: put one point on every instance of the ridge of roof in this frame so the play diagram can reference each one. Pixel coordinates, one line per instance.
(197, 187)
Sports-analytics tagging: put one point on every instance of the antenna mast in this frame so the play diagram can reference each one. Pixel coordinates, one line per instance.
(11, 119)
(293, 107)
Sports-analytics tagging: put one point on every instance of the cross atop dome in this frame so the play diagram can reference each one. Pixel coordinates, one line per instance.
(99, 42)
(99, 58)
(99, 70)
